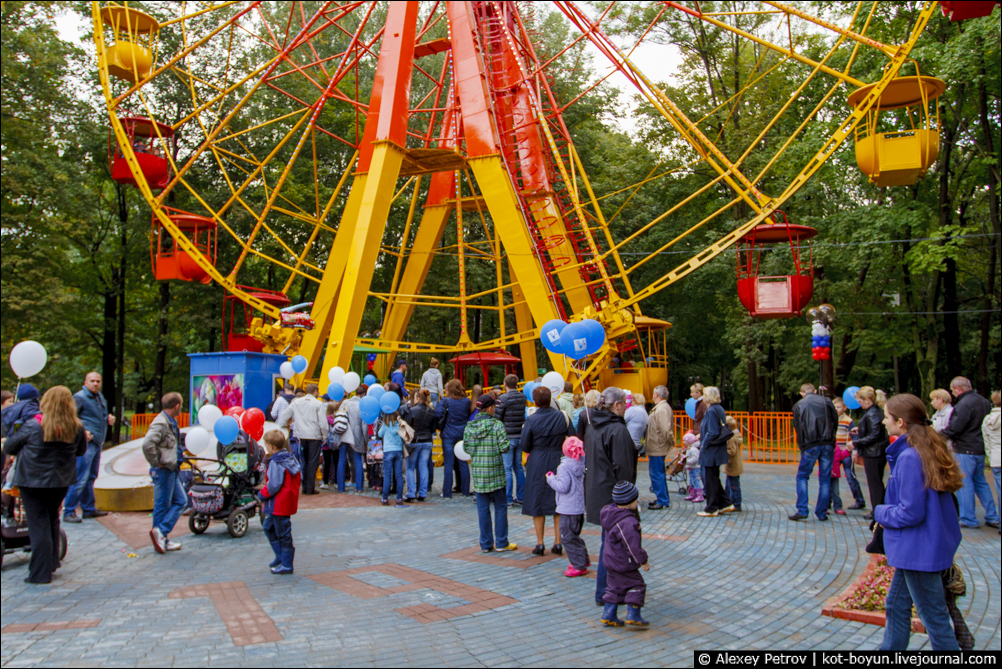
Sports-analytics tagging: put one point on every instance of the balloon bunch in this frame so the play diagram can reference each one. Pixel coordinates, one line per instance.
(377, 400)
(575, 340)
(225, 427)
(370, 361)
(341, 383)
(290, 368)
(822, 319)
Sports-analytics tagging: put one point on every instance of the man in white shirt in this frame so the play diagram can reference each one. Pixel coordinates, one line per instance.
(309, 419)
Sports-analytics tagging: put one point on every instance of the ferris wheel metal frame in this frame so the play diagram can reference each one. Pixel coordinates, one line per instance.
(594, 282)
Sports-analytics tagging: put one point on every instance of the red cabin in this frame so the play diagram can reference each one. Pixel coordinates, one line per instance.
(484, 361)
(240, 314)
(148, 148)
(170, 261)
(775, 296)
(958, 10)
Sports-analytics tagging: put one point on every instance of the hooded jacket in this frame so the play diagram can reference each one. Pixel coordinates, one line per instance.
(431, 381)
(18, 414)
(282, 479)
(568, 483)
(611, 457)
(623, 551)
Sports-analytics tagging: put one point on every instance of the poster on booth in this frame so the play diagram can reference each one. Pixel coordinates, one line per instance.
(224, 390)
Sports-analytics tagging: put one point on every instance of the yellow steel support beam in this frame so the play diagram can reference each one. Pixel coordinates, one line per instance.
(523, 323)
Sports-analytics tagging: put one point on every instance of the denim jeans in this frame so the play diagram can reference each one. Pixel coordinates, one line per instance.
(849, 469)
(975, 483)
(417, 467)
(925, 590)
(393, 463)
(695, 480)
(359, 468)
(836, 499)
(169, 499)
(601, 577)
(732, 488)
(278, 529)
(449, 453)
(998, 484)
(513, 471)
(824, 456)
(656, 464)
(485, 500)
(82, 492)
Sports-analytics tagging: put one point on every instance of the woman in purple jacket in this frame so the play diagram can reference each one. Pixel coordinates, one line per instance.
(921, 525)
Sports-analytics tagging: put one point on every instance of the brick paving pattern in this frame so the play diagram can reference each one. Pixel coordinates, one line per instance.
(380, 586)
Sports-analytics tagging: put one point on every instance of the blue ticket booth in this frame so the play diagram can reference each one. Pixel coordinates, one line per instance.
(230, 379)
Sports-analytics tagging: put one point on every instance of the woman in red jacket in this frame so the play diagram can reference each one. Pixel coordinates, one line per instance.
(280, 495)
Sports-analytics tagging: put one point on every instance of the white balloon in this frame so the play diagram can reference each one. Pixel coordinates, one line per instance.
(27, 359)
(208, 415)
(351, 382)
(461, 452)
(196, 440)
(555, 382)
(286, 370)
(336, 375)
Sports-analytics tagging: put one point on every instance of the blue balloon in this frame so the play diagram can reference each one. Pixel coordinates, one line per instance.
(596, 335)
(375, 391)
(369, 379)
(389, 402)
(849, 397)
(299, 364)
(226, 430)
(368, 407)
(815, 340)
(574, 339)
(549, 335)
(528, 388)
(335, 391)
(690, 407)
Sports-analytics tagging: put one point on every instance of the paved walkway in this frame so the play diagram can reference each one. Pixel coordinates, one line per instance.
(379, 586)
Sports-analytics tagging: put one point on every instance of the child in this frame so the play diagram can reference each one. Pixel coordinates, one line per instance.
(280, 495)
(393, 458)
(735, 466)
(568, 483)
(331, 448)
(691, 442)
(843, 445)
(623, 557)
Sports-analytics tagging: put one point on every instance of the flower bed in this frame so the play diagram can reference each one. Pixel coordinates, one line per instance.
(863, 600)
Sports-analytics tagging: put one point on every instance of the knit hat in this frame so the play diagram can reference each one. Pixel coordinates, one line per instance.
(27, 392)
(624, 493)
(689, 438)
(573, 448)
(485, 402)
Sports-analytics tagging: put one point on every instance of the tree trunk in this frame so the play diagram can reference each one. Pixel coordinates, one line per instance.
(120, 342)
(992, 298)
(108, 344)
(951, 322)
(161, 361)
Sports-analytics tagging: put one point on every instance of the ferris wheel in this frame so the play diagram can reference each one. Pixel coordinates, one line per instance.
(285, 133)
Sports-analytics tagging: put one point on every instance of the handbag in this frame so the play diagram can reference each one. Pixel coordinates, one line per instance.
(406, 433)
(876, 545)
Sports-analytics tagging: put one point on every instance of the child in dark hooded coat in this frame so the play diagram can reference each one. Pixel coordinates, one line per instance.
(280, 495)
(623, 557)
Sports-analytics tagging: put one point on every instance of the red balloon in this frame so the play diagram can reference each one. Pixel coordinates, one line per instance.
(235, 412)
(816, 355)
(252, 422)
(826, 354)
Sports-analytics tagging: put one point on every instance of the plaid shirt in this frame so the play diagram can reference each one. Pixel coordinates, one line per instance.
(485, 439)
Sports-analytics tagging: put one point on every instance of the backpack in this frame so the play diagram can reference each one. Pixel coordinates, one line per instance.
(340, 423)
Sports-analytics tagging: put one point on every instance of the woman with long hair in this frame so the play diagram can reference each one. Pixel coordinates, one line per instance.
(422, 418)
(47, 452)
(453, 413)
(870, 441)
(921, 525)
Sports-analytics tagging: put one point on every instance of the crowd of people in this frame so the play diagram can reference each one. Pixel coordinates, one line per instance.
(571, 458)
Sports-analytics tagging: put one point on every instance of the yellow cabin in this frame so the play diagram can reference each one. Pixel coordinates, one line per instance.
(899, 157)
(643, 362)
(130, 56)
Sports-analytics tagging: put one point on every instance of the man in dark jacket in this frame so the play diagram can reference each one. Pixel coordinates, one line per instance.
(92, 409)
(964, 428)
(610, 456)
(511, 412)
(815, 421)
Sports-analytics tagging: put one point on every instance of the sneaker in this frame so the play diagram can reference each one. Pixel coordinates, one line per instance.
(281, 570)
(95, 514)
(573, 572)
(173, 545)
(159, 541)
(72, 518)
(509, 547)
(729, 509)
(385, 502)
(708, 514)
(324, 486)
(797, 516)
(654, 506)
(485, 551)
(839, 512)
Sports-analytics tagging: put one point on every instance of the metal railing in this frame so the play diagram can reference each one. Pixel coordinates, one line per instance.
(140, 423)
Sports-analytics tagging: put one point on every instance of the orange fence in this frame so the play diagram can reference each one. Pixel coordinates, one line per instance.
(768, 436)
(140, 423)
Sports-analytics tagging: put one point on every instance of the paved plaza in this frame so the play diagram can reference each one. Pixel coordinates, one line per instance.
(380, 586)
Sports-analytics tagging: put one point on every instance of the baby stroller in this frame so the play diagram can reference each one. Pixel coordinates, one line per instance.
(14, 522)
(229, 493)
(676, 473)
